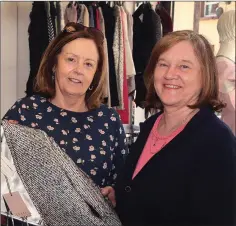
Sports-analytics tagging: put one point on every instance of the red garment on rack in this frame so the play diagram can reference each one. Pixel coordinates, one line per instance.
(124, 114)
(98, 25)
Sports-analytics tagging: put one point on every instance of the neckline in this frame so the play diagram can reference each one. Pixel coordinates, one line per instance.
(157, 135)
(56, 108)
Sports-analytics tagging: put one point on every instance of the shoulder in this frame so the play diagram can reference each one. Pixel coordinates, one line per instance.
(29, 101)
(221, 132)
(216, 135)
(26, 103)
(217, 128)
(23, 106)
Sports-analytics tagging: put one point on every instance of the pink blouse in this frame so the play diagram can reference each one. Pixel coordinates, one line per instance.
(154, 144)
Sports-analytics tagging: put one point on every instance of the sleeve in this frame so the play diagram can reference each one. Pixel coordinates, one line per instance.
(213, 195)
(14, 113)
(120, 151)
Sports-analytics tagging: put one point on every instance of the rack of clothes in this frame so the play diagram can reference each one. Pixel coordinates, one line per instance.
(129, 39)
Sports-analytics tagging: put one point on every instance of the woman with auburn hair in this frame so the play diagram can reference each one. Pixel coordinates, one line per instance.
(181, 169)
(69, 108)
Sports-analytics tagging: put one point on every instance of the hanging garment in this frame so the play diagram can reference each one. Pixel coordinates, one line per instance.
(166, 21)
(63, 14)
(130, 24)
(91, 16)
(130, 69)
(53, 13)
(61, 192)
(98, 26)
(51, 33)
(109, 21)
(58, 12)
(131, 80)
(80, 13)
(107, 82)
(71, 13)
(86, 17)
(94, 7)
(118, 50)
(38, 41)
(124, 114)
(131, 85)
(146, 32)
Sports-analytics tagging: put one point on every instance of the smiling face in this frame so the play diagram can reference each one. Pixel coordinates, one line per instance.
(177, 76)
(76, 66)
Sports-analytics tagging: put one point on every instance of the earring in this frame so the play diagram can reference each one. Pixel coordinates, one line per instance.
(53, 75)
(90, 88)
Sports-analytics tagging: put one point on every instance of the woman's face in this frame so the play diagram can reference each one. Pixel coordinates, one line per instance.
(177, 76)
(76, 66)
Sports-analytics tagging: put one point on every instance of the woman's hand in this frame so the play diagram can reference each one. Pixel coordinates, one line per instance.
(109, 192)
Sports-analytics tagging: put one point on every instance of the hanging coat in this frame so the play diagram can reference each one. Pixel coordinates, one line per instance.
(38, 41)
(146, 32)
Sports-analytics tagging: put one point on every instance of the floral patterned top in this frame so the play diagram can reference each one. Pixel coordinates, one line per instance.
(95, 140)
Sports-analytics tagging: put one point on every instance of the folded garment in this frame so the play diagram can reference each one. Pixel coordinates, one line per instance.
(61, 192)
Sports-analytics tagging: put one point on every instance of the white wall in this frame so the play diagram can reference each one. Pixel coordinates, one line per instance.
(8, 55)
(14, 52)
(23, 65)
(183, 16)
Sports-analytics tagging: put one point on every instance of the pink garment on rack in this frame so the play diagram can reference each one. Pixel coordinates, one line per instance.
(71, 14)
(150, 149)
(124, 114)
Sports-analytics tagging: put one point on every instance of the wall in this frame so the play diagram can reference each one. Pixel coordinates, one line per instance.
(23, 67)
(14, 52)
(183, 16)
(208, 27)
(8, 55)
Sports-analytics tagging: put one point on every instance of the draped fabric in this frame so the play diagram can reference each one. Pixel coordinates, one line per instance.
(66, 193)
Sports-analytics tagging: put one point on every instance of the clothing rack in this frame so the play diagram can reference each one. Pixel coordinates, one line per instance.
(138, 54)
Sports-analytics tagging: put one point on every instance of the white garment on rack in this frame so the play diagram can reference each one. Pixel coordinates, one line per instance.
(63, 10)
(129, 63)
(130, 24)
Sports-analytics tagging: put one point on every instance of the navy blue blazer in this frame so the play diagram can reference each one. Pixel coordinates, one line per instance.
(191, 181)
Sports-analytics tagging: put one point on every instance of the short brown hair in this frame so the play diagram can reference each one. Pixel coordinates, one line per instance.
(210, 91)
(44, 83)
